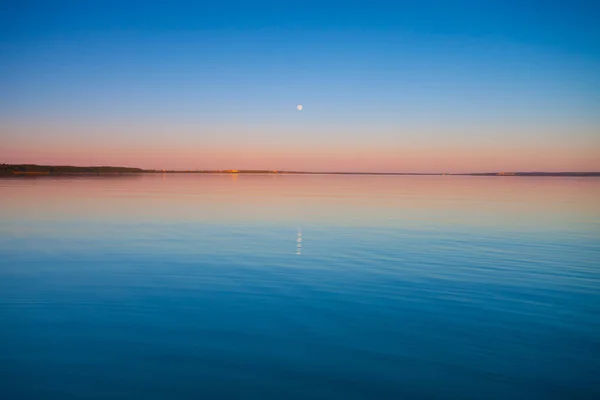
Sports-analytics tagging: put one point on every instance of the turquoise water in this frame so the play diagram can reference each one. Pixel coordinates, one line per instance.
(299, 287)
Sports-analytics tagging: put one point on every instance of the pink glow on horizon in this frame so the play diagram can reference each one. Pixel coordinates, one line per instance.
(451, 160)
(378, 148)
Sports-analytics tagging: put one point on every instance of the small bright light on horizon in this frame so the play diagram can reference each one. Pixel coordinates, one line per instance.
(299, 107)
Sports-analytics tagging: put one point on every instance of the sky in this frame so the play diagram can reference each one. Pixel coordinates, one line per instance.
(403, 86)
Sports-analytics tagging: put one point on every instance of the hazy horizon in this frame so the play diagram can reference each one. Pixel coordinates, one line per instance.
(438, 87)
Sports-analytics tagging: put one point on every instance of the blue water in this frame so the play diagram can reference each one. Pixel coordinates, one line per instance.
(299, 287)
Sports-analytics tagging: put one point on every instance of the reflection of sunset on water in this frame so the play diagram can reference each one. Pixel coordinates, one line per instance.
(344, 200)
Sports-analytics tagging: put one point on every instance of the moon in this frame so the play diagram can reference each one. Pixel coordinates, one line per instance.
(299, 107)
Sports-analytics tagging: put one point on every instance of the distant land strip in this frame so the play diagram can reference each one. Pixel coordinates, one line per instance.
(44, 170)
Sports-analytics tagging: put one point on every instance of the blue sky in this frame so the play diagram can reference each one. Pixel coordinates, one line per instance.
(432, 82)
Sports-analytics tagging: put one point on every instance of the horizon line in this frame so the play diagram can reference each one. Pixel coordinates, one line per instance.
(7, 167)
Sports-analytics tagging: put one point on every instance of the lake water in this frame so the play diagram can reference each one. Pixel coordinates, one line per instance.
(299, 287)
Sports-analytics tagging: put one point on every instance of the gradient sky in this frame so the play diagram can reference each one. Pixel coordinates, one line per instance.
(404, 86)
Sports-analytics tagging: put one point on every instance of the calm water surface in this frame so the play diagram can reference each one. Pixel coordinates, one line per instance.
(299, 287)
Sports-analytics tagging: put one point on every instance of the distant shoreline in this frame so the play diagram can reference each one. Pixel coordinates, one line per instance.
(54, 170)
